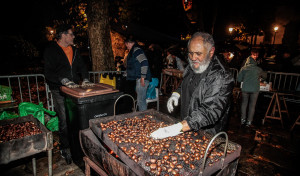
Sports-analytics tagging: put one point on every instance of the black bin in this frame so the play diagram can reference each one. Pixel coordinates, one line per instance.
(83, 104)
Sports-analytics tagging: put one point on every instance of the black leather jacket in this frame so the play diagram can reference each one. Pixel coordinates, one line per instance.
(210, 101)
(57, 66)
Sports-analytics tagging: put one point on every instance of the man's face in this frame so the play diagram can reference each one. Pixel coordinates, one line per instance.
(68, 37)
(199, 55)
(129, 45)
(254, 55)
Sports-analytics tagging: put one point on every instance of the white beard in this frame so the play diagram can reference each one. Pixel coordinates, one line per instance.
(203, 65)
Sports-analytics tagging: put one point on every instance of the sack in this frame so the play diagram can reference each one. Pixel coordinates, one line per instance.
(151, 93)
(8, 115)
(5, 94)
(52, 124)
(37, 111)
(108, 81)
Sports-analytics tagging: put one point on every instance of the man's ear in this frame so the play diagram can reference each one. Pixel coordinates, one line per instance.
(212, 51)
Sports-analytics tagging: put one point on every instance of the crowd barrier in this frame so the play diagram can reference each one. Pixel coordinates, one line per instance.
(95, 76)
(283, 81)
(33, 87)
(29, 88)
(280, 81)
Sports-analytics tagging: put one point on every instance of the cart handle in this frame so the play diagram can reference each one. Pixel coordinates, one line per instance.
(205, 155)
(134, 110)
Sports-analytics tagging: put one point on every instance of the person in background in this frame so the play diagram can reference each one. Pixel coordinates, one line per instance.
(169, 61)
(285, 62)
(178, 63)
(250, 75)
(63, 66)
(155, 60)
(119, 64)
(205, 92)
(138, 70)
(253, 56)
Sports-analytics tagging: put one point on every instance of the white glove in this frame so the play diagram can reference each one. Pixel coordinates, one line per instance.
(173, 99)
(71, 84)
(87, 83)
(168, 131)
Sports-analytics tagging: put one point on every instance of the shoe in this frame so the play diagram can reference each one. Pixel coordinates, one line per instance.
(243, 121)
(248, 124)
(66, 154)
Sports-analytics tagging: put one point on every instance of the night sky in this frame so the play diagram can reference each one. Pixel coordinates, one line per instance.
(29, 18)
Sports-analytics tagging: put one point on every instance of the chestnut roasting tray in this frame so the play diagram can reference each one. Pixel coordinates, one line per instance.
(25, 146)
(213, 164)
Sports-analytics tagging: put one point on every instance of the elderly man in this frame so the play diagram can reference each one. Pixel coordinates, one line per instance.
(205, 91)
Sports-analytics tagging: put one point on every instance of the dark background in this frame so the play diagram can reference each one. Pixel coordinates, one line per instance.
(23, 29)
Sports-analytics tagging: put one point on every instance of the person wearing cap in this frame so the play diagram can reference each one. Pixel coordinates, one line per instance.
(63, 66)
(205, 92)
(138, 70)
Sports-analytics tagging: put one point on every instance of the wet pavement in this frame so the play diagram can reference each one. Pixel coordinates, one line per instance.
(267, 149)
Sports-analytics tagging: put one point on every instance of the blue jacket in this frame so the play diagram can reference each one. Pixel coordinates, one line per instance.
(137, 64)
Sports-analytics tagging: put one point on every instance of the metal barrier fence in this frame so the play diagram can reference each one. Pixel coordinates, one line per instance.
(280, 81)
(29, 88)
(283, 81)
(95, 76)
(33, 87)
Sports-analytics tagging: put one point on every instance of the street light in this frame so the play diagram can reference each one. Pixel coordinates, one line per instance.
(230, 30)
(275, 30)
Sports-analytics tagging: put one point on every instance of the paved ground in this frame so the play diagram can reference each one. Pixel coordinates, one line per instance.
(266, 149)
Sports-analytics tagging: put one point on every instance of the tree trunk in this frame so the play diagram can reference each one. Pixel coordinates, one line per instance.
(99, 35)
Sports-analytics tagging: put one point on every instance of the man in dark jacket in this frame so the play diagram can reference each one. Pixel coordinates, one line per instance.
(138, 71)
(63, 67)
(205, 91)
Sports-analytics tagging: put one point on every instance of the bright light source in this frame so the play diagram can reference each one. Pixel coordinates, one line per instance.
(230, 29)
(231, 55)
(276, 28)
(51, 32)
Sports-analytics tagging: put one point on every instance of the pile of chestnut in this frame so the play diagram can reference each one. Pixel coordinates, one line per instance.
(171, 156)
(19, 130)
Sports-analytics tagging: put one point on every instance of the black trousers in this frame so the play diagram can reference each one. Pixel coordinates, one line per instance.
(59, 107)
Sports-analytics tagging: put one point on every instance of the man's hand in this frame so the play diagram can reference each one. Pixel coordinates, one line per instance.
(142, 80)
(87, 83)
(168, 131)
(71, 84)
(173, 99)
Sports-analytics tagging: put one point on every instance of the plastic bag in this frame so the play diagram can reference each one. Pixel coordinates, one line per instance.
(52, 124)
(37, 111)
(151, 93)
(5, 94)
(8, 115)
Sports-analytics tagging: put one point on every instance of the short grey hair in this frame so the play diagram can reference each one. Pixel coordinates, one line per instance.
(207, 39)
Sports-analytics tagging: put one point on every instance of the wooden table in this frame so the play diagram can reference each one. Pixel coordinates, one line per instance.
(171, 77)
